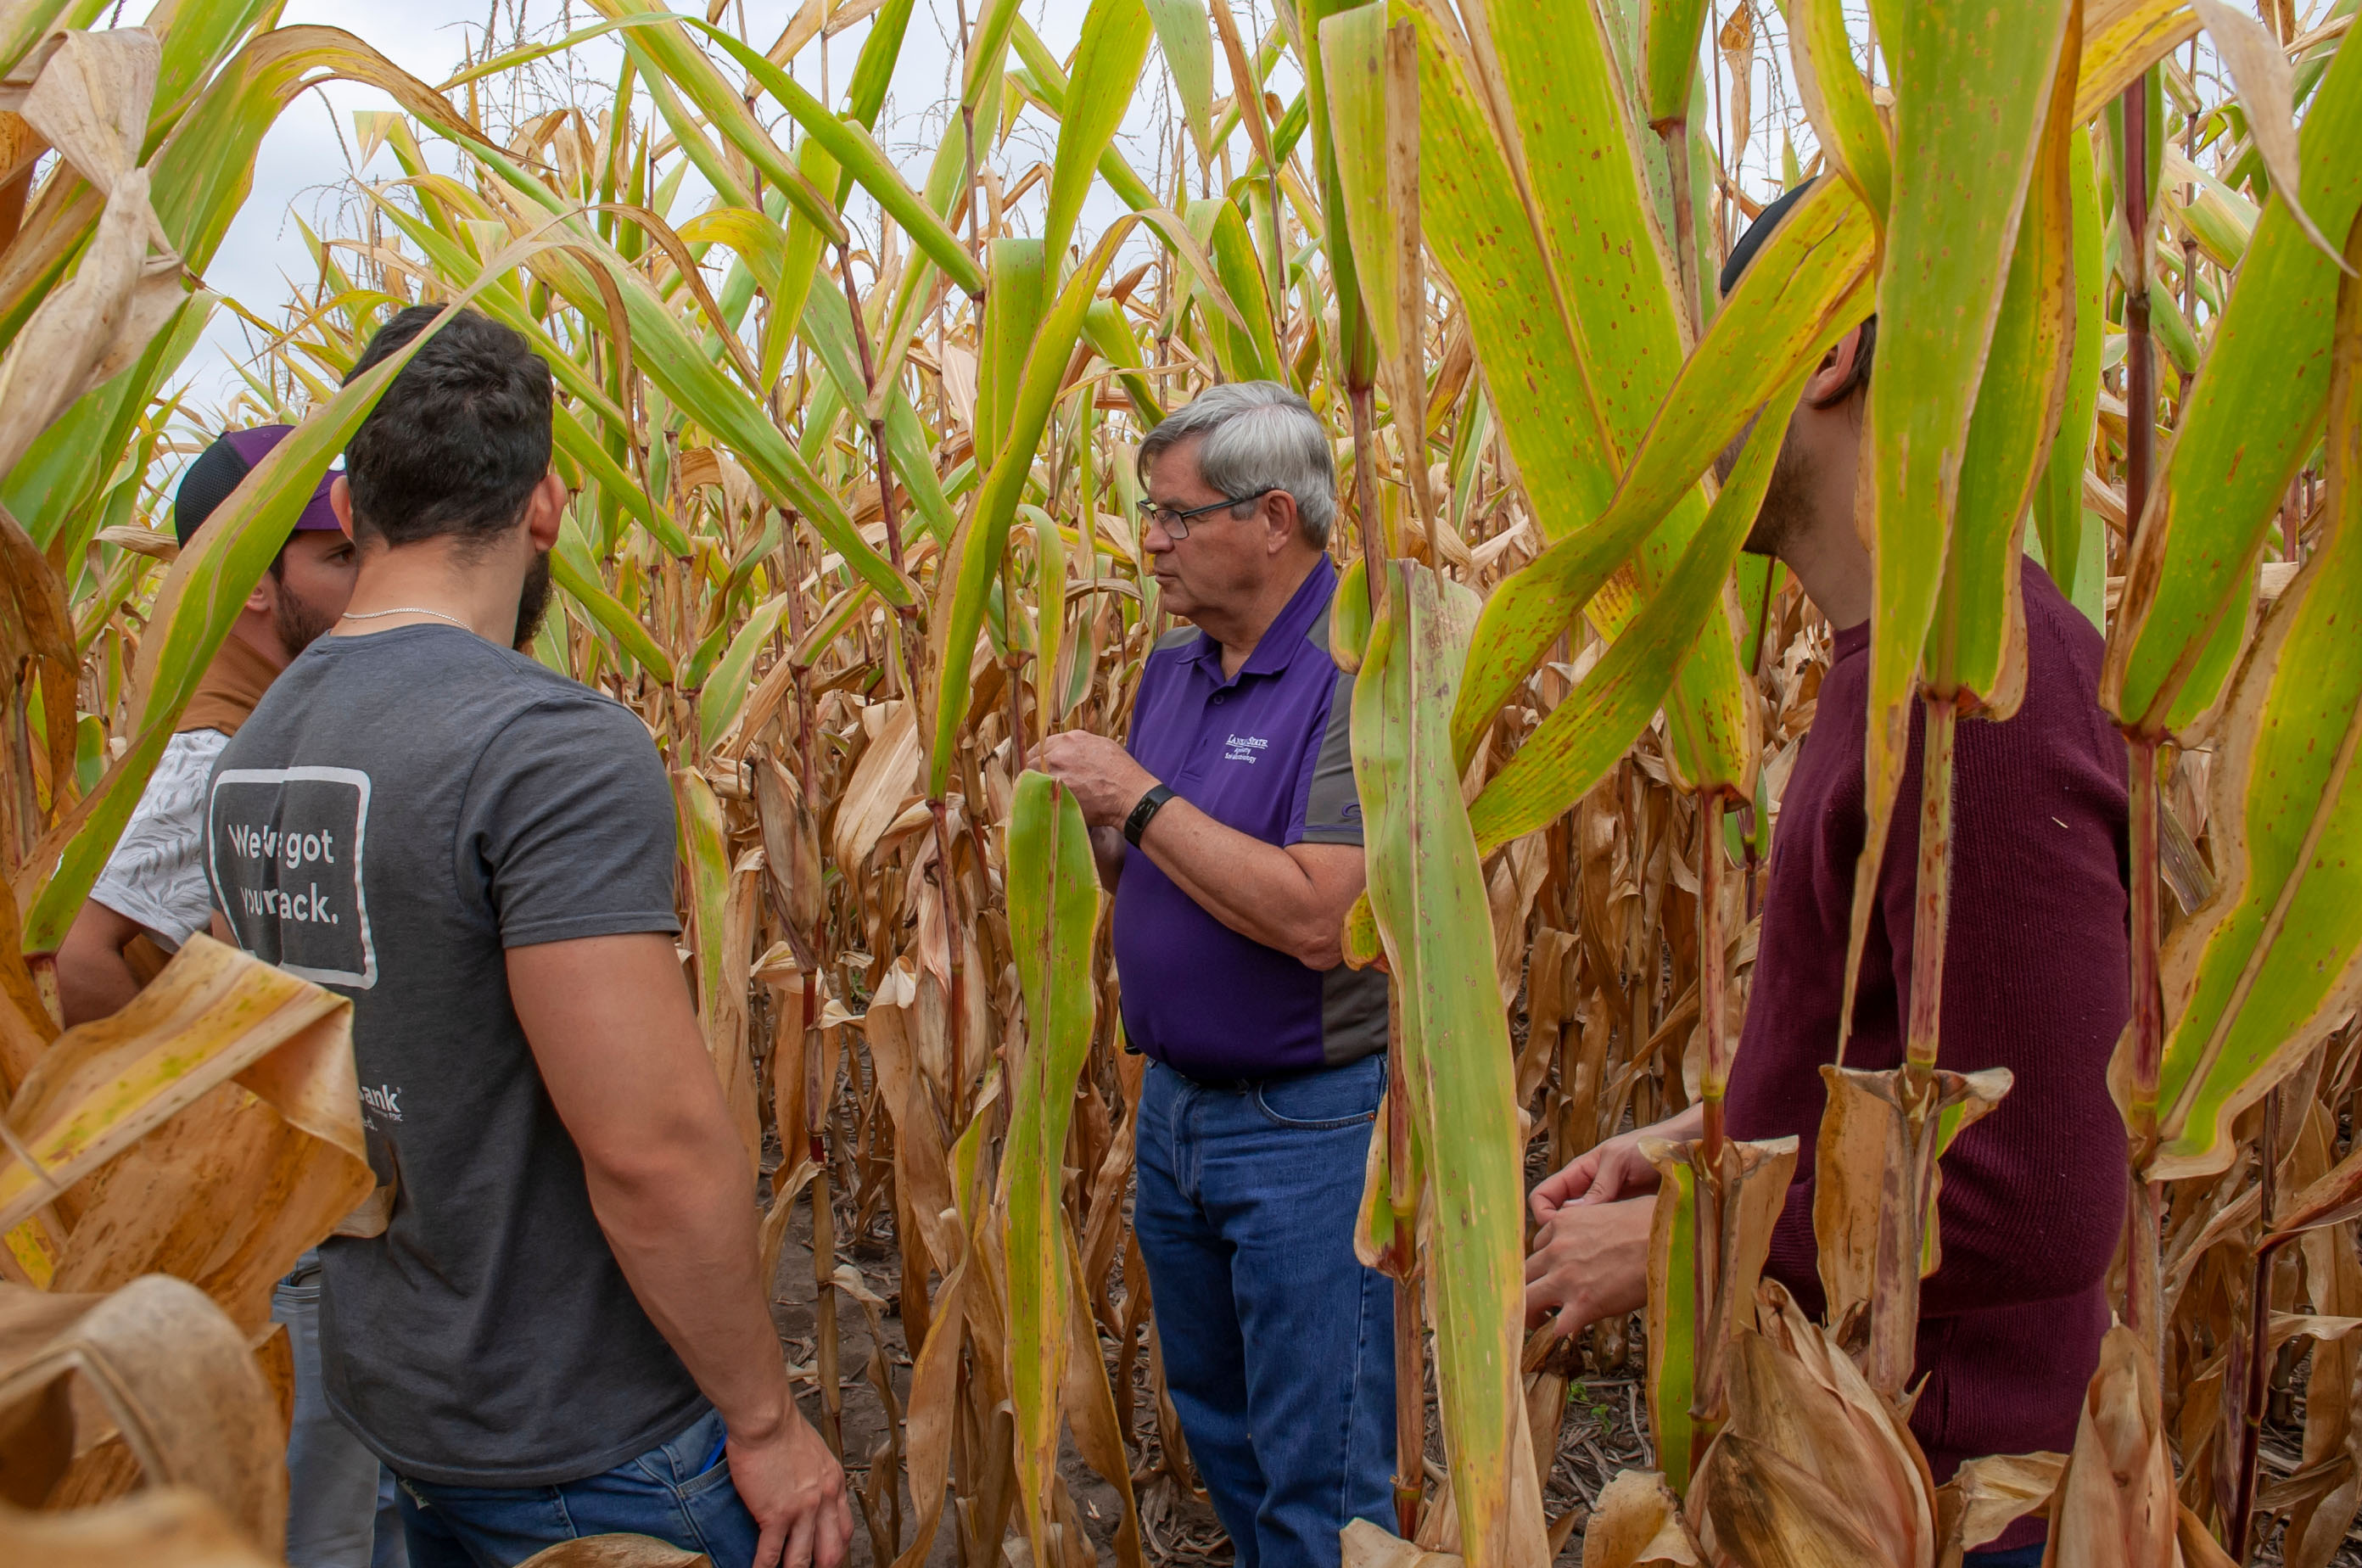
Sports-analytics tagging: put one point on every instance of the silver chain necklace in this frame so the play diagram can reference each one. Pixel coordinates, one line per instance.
(405, 610)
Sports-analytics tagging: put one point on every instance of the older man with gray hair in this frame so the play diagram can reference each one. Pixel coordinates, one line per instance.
(1230, 830)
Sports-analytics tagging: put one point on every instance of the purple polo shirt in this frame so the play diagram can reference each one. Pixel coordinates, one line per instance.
(1268, 752)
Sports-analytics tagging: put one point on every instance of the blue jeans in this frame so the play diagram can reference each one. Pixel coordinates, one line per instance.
(1278, 1344)
(340, 1509)
(678, 1492)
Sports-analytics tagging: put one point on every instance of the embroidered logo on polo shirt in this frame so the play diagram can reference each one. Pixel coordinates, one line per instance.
(1242, 748)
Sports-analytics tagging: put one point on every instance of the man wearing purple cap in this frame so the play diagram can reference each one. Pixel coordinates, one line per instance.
(1267, 1054)
(154, 885)
(154, 890)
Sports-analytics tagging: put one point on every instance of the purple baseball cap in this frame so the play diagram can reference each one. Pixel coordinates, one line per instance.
(223, 466)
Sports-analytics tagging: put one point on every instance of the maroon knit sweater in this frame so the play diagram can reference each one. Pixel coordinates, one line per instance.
(2034, 980)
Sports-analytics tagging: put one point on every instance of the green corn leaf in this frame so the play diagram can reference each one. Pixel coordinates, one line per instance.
(828, 327)
(1107, 72)
(2267, 966)
(1427, 892)
(59, 474)
(1017, 286)
(1186, 37)
(1673, 1320)
(1252, 354)
(1837, 99)
(24, 24)
(727, 687)
(1977, 644)
(1807, 289)
(612, 615)
(1111, 336)
(1671, 39)
(196, 42)
(1970, 101)
(2058, 499)
(970, 575)
(1588, 733)
(1053, 906)
(857, 152)
(2253, 416)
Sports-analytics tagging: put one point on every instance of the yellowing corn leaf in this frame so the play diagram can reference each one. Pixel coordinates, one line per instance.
(2267, 965)
(214, 1015)
(722, 963)
(1985, 1496)
(1053, 905)
(170, 1524)
(1636, 1523)
(1875, 1184)
(1583, 736)
(1807, 290)
(2115, 1506)
(160, 1368)
(1427, 892)
(2252, 419)
(2268, 94)
(2123, 38)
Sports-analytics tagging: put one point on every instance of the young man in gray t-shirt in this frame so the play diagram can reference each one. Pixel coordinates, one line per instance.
(561, 1331)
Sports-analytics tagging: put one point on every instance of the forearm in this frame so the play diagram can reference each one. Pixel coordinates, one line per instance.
(1687, 1123)
(1257, 889)
(95, 979)
(684, 1231)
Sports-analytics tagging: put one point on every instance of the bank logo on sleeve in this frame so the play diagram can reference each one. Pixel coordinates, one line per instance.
(284, 848)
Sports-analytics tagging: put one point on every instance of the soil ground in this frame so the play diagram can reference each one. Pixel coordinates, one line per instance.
(1604, 1431)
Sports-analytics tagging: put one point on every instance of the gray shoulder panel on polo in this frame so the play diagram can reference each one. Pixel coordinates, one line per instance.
(1178, 638)
(1352, 1014)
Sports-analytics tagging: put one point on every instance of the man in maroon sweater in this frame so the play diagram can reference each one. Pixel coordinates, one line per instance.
(2034, 980)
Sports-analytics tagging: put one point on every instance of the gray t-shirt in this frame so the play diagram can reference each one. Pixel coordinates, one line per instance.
(401, 809)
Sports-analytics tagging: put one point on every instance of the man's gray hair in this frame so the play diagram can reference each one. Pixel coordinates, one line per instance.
(1258, 436)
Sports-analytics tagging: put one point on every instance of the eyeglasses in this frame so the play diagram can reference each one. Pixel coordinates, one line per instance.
(1176, 523)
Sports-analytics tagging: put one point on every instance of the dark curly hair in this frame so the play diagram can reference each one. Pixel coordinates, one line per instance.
(456, 443)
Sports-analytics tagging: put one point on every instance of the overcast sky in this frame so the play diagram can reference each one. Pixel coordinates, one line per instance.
(302, 163)
(303, 168)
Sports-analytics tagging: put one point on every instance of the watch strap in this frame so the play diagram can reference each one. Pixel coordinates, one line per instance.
(1143, 813)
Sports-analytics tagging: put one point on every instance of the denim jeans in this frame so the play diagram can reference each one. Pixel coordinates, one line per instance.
(1278, 1344)
(340, 1508)
(678, 1492)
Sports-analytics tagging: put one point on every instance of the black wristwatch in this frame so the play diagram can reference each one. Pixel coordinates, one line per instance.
(1144, 813)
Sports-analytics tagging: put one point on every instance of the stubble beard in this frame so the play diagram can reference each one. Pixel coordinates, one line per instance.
(532, 601)
(1787, 503)
(298, 621)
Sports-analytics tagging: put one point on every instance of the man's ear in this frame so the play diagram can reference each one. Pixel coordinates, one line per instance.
(1281, 521)
(545, 510)
(264, 599)
(1833, 377)
(340, 502)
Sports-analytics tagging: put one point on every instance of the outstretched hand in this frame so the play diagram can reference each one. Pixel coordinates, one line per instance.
(1590, 1262)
